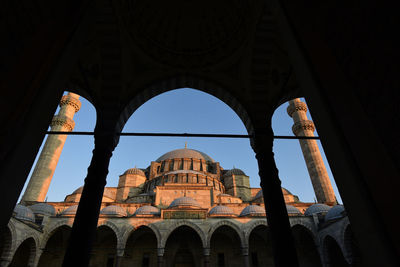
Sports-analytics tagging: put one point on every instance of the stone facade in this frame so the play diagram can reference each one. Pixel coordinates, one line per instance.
(176, 216)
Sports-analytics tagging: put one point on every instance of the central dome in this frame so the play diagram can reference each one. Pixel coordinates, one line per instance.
(185, 153)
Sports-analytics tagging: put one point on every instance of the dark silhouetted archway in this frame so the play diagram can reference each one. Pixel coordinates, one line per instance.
(25, 254)
(260, 250)
(307, 251)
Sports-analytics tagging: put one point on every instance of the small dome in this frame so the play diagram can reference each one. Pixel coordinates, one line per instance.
(78, 191)
(44, 209)
(221, 210)
(70, 210)
(114, 211)
(184, 201)
(24, 213)
(335, 212)
(260, 193)
(253, 210)
(292, 210)
(185, 153)
(147, 210)
(317, 208)
(107, 192)
(235, 172)
(134, 171)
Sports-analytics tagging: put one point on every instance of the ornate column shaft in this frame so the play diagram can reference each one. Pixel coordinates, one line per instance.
(85, 223)
(312, 156)
(245, 254)
(283, 247)
(206, 257)
(160, 257)
(44, 169)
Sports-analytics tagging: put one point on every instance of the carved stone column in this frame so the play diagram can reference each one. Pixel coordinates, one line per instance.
(206, 257)
(160, 257)
(85, 223)
(245, 254)
(281, 236)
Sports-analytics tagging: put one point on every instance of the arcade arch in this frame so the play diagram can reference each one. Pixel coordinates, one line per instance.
(54, 249)
(307, 251)
(260, 249)
(25, 254)
(225, 247)
(104, 248)
(333, 253)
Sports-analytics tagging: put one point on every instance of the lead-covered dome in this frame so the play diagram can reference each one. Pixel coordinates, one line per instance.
(317, 208)
(184, 202)
(185, 153)
(292, 210)
(70, 210)
(24, 213)
(221, 210)
(234, 171)
(253, 210)
(335, 212)
(147, 210)
(114, 211)
(43, 209)
(134, 171)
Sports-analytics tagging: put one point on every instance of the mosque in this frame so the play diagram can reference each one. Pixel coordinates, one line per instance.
(184, 209)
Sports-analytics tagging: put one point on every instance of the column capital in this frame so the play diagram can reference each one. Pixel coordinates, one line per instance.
(160, 252)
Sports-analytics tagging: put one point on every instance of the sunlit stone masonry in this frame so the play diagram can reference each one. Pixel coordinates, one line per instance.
(184, 209)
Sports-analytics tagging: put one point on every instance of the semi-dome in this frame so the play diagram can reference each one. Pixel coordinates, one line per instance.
(134, 171)
(316, 208)
(70, 210)
(184, 202)
(234, 171)
(253, 210)
(221, 210)
(292, 210)
(114, 211)
(24, 213)
(43, 209)
(147, 210)
(185, 153)
(335, 212)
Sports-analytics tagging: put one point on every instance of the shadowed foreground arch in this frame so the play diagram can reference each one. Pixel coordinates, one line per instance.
(140, 248)
(54, 250)
(260, 250)
(307, 251)
(333, 253)
(5, 244)
(25, 254)
(183, 248)
(352, 248)
(104, 248)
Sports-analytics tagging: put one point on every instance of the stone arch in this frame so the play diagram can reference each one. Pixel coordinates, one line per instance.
(197, 229)
(350, 246)
(234, 226)
(115, 229)
(131, 228)
(332, 252)
(250, 226)
(52, 230)
(306, 225)
(7, 245)
(28, 245)
(307, 247)
(185, 81)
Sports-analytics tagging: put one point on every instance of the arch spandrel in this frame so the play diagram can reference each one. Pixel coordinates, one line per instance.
(236, 228)
(52, 229)
(165, 235)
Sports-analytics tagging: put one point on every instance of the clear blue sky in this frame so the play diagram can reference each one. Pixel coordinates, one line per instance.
(182, 111)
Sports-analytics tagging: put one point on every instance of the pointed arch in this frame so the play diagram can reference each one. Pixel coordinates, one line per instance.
(52, 230)
(25, 253)
(250, 226)
(130, 229)
(117, 231)
(230, 224)
(178, 224)
(185, 81)
(333, 252)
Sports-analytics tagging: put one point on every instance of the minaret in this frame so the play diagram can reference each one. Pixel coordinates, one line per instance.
(315, 165)
(39, 183)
